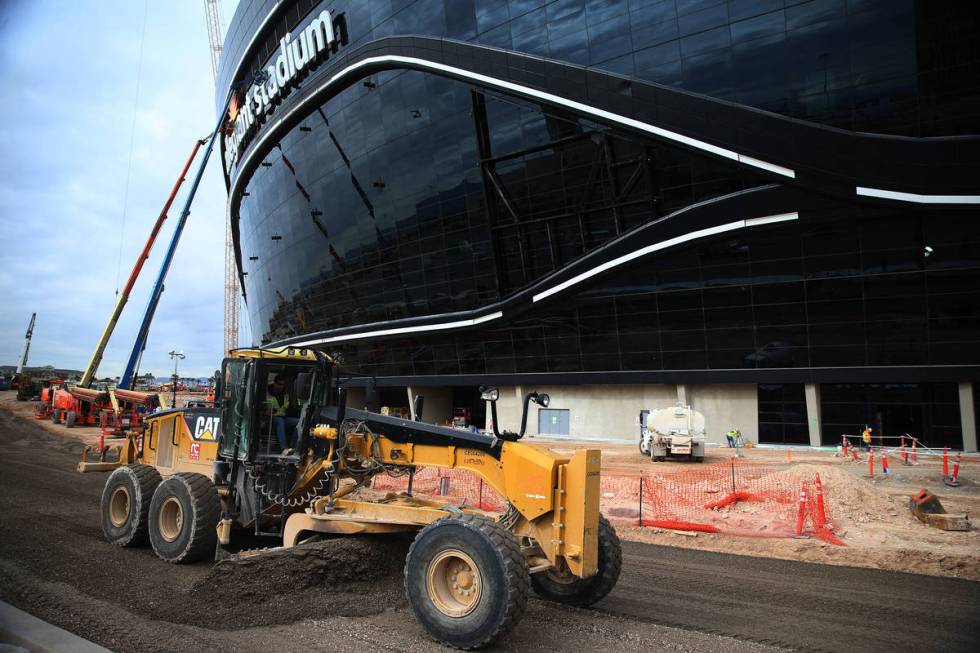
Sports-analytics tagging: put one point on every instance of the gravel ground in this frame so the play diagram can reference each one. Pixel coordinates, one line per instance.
(346, 594)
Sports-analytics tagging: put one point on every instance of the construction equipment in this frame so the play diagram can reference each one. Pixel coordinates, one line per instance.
(123, 298)
(927, 508)
(45, 404)
(26, 388)
(133, 364)
(27, 344)
(199, 471)
(215, 23)
(78, 406)
(674, 431)
(129, 408)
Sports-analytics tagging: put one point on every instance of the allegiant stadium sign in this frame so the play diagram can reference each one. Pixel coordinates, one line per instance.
(298, 55)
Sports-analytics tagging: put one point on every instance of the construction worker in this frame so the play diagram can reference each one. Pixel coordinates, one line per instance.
(866, 437)
(279, 406)
(733, 435)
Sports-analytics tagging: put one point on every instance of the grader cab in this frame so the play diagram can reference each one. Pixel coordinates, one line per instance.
(198, 472)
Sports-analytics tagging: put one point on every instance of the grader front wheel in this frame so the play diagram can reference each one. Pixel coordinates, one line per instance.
(466, 580)
(583, 592)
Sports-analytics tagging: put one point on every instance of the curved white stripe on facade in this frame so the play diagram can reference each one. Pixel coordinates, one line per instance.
(492, 81)
(916, 198)
(694, 235)
(400, 330)
(664, 244)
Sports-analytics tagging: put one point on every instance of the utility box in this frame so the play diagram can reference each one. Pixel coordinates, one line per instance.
(553, 421)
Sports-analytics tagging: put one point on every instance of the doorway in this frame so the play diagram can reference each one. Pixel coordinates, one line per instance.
(553, 421)
(898, 419)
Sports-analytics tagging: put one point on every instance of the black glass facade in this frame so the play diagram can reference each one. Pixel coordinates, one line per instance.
(929, 411)
(782, 413)
(404, 199)
(886, 66)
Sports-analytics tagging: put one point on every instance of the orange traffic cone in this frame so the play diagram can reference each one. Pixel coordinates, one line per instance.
(801, 515)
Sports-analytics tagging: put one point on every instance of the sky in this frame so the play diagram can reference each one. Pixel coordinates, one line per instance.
(69, 231)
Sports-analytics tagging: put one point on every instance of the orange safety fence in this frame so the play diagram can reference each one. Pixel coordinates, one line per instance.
(733, 498)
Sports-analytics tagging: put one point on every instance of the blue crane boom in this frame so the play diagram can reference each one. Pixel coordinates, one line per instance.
(151, 307)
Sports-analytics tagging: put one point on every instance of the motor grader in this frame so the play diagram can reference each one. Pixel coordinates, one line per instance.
(199, 476)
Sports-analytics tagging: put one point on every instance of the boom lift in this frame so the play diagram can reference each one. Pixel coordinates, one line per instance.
(129, 408)
(116, 409)
(199, 471)
(93, 364)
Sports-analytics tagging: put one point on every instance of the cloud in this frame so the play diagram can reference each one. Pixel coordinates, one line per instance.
(70, 231)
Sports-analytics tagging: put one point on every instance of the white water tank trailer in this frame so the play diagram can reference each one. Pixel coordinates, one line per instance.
(674, 431)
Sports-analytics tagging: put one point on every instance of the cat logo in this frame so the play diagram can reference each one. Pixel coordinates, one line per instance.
(206, 427)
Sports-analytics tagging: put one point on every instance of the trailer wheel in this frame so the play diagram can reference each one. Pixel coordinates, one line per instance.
(56, 416)
(125, 504)
(70, 419)
(183, 518)
(699, 459)
(582, 592)
(466, 580)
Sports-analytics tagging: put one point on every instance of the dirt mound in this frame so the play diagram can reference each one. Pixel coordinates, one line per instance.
(346, 576)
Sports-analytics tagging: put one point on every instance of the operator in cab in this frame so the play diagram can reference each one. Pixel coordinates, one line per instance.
(283, 412)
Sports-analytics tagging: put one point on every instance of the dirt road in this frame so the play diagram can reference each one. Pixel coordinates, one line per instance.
(346, 595)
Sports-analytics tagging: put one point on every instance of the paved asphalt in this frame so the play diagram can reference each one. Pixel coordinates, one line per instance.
(796, 604)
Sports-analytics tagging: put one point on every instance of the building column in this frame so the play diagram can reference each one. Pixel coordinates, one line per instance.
(968, 417)
(411, 403)
(814, 422)
(682, 394)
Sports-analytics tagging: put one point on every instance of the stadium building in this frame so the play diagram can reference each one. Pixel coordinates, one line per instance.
(767, 209)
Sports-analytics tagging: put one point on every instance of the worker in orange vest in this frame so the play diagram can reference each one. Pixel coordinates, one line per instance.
(866, 437)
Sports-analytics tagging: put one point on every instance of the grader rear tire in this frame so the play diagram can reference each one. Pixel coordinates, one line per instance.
(583, 592)
(466, 580)
(56, 416)
(70, 419)
(184, 516)
(126, 504)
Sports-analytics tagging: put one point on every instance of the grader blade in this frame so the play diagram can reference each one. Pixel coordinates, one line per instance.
(85, 466)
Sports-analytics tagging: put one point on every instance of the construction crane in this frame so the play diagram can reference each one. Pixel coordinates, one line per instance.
(27, 344)
(212, 13)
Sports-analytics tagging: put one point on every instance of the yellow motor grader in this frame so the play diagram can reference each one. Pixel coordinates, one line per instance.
(197, 472)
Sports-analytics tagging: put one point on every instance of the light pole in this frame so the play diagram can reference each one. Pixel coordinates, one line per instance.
(176, 356)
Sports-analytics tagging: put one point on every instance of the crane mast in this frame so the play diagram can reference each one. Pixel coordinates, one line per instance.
(212, 12)
(27, 344)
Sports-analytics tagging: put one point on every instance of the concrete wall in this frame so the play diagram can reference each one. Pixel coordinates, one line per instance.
(613, 411)
(727, 406)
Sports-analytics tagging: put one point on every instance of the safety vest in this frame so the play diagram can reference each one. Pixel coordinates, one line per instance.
(277, 409)
(866, 436)
(734, 433)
